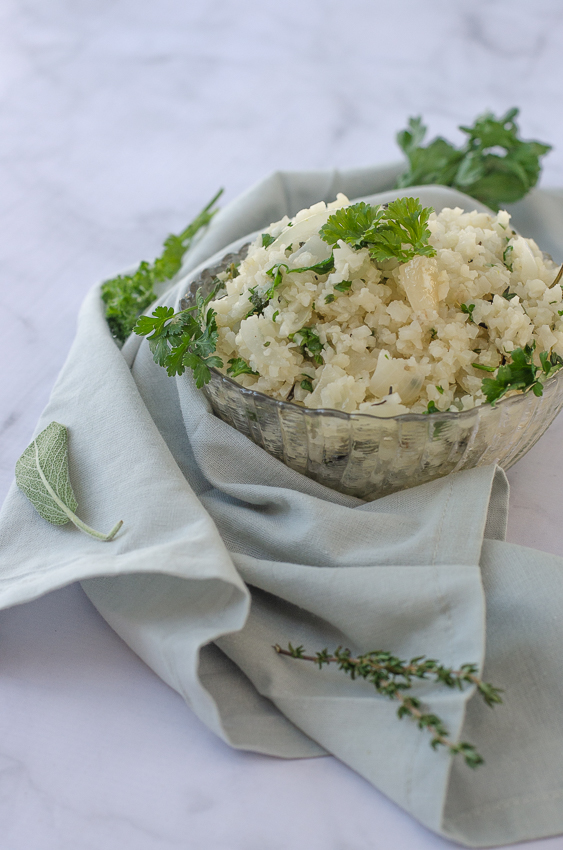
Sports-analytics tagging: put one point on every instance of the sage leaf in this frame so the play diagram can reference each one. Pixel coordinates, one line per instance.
(42, 475)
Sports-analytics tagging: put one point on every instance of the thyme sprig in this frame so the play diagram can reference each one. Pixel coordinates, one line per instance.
(127, 296)
(391, 676)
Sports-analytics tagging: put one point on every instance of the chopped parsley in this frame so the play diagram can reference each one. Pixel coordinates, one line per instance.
(431, 408)
(309, 343)
(477, 167)
(344, 286)
(440, 390)
(508, 294)
(521, 374)
(397, 232)
(468, 310)
(505, 257)
(238, 366)
(267, 240)
(330, 298)
(306, 383)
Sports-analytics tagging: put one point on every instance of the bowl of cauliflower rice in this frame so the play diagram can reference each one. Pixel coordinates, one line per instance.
(376, 345)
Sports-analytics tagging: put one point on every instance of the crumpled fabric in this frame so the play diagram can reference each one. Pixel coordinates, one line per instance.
(224, 552)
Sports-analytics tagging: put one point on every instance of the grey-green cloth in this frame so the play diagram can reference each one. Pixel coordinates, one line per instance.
(224, 552)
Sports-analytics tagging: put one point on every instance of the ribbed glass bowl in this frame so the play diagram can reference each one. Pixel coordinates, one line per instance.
(366, 456)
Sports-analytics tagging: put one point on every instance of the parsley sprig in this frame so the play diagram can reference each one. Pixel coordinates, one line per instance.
(392, 676)
(521, 374)
(184, 340)
(398, 231)
(477, 167)
(126, 296)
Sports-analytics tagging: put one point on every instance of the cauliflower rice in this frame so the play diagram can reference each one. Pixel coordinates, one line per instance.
(394, 337)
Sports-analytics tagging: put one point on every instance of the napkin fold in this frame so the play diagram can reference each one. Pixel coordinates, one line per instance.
(225, 551)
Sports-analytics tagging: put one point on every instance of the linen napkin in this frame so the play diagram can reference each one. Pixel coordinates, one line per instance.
(225, 551)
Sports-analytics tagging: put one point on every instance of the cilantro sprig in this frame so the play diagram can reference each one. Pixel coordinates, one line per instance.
(521, 374)
(398, 231)
(477, 167)
(126, 296)
(184, 340)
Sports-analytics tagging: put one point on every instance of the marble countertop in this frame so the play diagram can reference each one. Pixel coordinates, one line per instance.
(119, 121)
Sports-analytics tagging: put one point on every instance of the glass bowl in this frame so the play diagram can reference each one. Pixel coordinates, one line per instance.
(368, 456)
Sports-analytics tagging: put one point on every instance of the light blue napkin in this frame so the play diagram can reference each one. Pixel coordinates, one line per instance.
(224, 551)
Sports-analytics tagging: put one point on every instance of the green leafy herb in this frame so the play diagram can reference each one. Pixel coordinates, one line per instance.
(476, 168)
(392, 676)
(183, 340)
(440, 390)
(261, 300)
(309, 343)
(350, 224)
(238, 366)
(267, 240)
(433, 333)
(306, 384)
(344, 286)
(330, 298)
(483, 368)
(468, 310)
(521, 374)
(398, 231)
(126, 296)
(431, 408)
(508, 294)
(42, 475)
(505, 257)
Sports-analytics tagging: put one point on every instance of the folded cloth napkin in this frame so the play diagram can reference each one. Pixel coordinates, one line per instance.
(224, 552)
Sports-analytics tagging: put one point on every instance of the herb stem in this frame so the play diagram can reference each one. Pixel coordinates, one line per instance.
(70, 514)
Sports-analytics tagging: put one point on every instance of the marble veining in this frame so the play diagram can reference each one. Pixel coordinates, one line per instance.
(118, 121)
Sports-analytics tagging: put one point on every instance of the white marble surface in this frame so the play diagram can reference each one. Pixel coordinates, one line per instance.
(118, 121)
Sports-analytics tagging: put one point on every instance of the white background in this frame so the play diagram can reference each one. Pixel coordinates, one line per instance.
(119, 119)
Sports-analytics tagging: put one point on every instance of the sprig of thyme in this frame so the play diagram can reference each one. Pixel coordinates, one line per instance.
(392, 676)
(126, 296)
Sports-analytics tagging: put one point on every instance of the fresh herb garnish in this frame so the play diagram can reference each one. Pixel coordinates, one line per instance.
(306, 383)
(483, 368)
(344, 286)
(267, 240)
(468, 310)
(440, 389)
(310, 344)
(42, 475)
(505, 257)
(392, 676)
(261, 300)
(398, 231)
(331, 297)
(508, 294)
(238, 366)
(126, 296)
(182, 340)
(521, 374)
(476, 168)
(432, 408)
